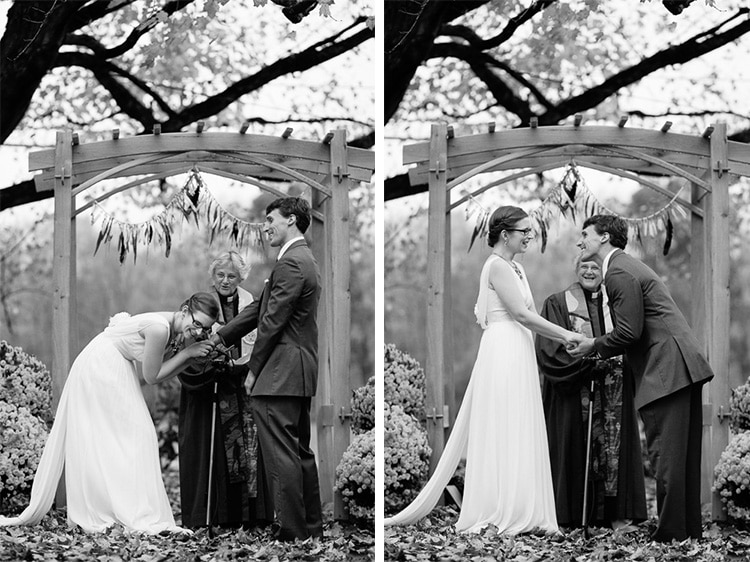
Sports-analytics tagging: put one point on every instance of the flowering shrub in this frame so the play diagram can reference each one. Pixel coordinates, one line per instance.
(732, 477)
(363, 407)
(25, 381)
(404, 382)
(22, 438)
(355, 477)
(407, 458)
(739, 405)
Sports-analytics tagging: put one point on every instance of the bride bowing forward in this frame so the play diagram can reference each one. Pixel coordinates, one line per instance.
(103, 433)
(500, 425)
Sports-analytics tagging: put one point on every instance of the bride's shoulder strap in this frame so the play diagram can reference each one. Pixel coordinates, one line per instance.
(480, 309)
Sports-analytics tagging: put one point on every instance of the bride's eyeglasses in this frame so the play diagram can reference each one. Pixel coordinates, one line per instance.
(200, 328)
(524, 231)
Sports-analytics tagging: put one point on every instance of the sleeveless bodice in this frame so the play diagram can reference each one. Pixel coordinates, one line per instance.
(125, 332)
(496, 311)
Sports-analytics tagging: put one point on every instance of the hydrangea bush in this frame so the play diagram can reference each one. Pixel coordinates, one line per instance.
(732, 477)
(355, 477)
(739, 405)
(363, 407)
(22, 438)
(25, 381)
(407, 458)
(404, 382)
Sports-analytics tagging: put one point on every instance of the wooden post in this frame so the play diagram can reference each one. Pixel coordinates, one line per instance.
(64, 340)
(335, 395)
(449, 383)
(437, 255)
(698, 317)
(321, 403)
(717, 299)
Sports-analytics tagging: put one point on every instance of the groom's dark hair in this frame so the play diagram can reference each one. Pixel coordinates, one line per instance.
(616, 227)
(296, 206)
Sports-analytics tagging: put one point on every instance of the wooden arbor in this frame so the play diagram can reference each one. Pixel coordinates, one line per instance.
(329, 168)
(707, 162)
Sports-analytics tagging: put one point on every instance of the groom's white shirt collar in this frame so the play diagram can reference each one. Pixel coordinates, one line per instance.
(285, 247)
(605, 263)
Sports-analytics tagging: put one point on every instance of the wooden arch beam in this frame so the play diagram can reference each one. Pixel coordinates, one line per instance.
(97, 157)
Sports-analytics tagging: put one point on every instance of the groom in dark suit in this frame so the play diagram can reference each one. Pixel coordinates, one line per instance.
(284, 370)
(668, 367)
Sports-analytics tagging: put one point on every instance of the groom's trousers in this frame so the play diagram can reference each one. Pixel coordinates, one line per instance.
(673, 426)
(283, 424)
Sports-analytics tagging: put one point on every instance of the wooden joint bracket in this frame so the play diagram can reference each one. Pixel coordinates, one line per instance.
(721, 168)
(341, 174)
(722, 415)
(344, 415)
(434, 416)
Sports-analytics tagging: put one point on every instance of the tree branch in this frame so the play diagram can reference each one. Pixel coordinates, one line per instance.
(410, 31)
(297, 62)
(102, 69)
(513, 24)
(131, 40)
(90, 12)
(678, 54)
(480, 63)
(27, 54)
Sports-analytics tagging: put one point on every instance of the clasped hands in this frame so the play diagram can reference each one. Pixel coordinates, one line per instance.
(219, 349)
(578, 345)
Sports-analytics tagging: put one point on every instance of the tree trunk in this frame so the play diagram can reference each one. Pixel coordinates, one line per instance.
(39, 30)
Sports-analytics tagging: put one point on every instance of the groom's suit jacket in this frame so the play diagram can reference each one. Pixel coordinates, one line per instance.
(651, 331)
(285, 356)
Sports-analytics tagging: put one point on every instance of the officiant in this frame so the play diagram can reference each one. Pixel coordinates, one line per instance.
(616, 487)
(236, 488)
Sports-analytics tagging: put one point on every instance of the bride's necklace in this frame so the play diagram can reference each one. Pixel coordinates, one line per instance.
(174, 343)
(512, 264)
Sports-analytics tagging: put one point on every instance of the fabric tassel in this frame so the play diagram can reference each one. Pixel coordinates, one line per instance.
(670, 232)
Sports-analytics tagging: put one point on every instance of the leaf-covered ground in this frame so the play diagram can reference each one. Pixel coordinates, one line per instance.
(52, 539)
(434, 538)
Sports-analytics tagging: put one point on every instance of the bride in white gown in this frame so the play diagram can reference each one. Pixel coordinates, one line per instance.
(103, 433)
(500, 425)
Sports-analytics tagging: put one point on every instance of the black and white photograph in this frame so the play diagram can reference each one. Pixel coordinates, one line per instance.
(566, 217)
(187, 336)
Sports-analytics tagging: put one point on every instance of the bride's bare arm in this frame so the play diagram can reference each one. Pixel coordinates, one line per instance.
(503, 281)
(155, 369)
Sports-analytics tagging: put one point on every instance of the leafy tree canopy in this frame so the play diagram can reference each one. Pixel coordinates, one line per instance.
(507, 61)
(130, 64)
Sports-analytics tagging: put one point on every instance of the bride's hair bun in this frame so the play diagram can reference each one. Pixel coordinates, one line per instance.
(503, 218)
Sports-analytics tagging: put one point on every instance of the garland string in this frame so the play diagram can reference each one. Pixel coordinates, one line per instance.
(572, 198)
(194, 202)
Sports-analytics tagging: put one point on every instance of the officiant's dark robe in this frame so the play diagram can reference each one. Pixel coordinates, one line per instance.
(237, 496)
(615, 493)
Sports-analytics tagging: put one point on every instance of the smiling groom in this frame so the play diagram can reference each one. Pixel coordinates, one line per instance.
(284, 370)
(668, 368)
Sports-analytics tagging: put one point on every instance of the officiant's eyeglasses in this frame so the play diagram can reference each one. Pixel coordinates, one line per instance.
(197, 325)
(525, 231)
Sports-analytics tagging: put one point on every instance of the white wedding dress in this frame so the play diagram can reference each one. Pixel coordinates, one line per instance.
(104, 437)
(500, 429)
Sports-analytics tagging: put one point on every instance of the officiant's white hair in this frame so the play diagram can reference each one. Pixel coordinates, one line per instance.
(230, 259)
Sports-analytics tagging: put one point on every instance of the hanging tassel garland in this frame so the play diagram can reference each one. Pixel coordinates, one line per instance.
(670, 231)
(571, 198)
(193, 203)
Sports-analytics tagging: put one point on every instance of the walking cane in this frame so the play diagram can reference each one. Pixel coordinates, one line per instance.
(584, 517)
(211, 456)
